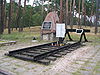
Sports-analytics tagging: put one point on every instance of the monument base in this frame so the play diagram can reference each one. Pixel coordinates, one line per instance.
(49, 37)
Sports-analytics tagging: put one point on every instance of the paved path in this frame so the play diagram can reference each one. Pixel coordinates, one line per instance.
(83, 61)
(92, 65)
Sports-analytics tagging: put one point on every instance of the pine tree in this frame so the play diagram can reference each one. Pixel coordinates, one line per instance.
(10, 17)
(66, 19)
(1, 17)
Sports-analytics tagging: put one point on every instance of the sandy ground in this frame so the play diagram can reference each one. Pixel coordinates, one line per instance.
(66, 65)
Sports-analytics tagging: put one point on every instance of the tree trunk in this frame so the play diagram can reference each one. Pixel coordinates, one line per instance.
(55, 7)
(66, 19)
(97, 15)
(42, 9)
(83, 12)
(21, 29)
(17, 18)
(4, 14)
(18, 15)
(1, 17)
(70, 12)
(10, 17)
(72, 17)
(92, 13)
(61, 11)
(12, 14)
(48, 6)
(79, 15)
(85, 16)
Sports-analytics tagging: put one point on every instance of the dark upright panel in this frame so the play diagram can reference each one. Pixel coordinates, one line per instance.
(47, 25)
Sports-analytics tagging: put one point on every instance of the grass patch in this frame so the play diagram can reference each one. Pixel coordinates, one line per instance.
(83, 69)
(28, 34)
(76, 73)
(2, 41)
(18, 36)
(97, 66)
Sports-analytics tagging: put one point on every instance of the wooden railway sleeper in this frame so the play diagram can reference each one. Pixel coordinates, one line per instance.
(51, 58)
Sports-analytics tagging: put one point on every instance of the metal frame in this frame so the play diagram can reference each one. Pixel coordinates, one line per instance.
(82, 34)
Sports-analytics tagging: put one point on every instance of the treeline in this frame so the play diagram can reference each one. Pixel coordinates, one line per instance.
(71, 12)
(14, 15)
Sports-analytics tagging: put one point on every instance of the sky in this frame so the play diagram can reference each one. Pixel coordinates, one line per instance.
(22, 2)
(28, 3)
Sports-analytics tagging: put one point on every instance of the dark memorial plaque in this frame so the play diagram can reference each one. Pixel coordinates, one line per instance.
(47, 25)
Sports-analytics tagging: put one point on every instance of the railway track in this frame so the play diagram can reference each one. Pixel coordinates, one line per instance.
(45, 53)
